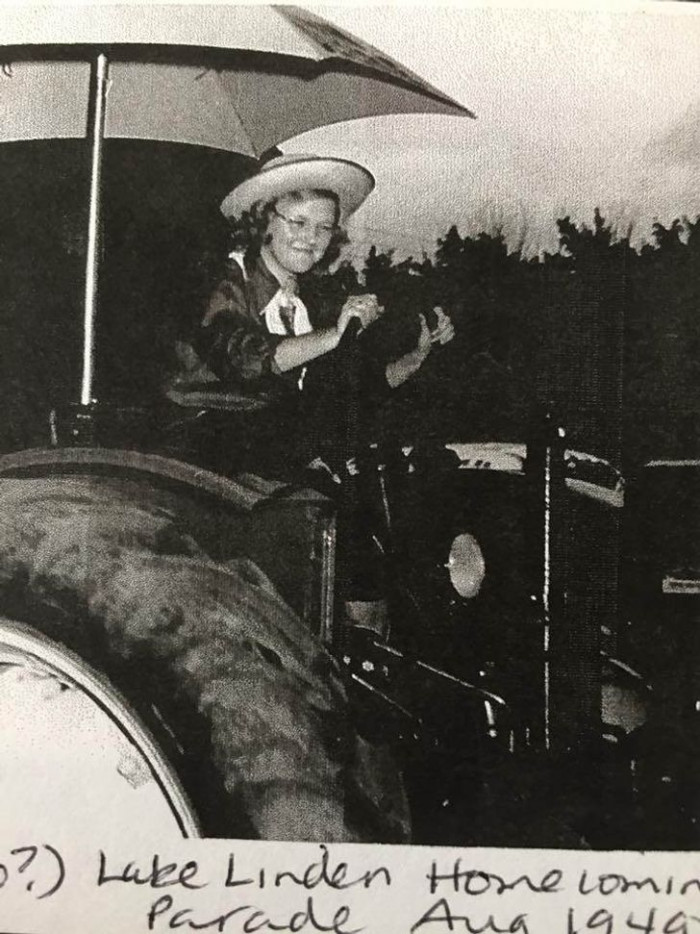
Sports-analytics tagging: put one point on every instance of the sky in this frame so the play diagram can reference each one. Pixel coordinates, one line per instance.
(576, 109)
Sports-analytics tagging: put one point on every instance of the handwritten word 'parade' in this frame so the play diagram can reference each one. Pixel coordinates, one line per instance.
(167, 914)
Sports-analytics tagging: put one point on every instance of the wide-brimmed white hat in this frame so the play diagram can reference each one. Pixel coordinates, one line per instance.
(351, 182)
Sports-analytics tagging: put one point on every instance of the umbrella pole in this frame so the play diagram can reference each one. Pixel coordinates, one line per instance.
(98, 95)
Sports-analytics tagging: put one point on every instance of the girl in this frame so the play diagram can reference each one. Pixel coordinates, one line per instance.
(262, 335)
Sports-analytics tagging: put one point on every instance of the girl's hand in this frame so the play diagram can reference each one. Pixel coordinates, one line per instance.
(444, 331)
(365, 308)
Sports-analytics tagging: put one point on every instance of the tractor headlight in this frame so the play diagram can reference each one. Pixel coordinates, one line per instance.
(466, 565)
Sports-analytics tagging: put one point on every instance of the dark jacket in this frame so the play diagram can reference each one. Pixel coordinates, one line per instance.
(230, 359)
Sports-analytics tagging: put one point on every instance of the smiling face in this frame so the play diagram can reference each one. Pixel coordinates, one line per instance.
(300, 230)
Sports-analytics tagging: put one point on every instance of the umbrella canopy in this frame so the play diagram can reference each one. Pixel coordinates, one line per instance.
(239, 78)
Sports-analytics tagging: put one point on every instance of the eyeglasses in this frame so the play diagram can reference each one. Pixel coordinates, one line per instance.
(297, 225)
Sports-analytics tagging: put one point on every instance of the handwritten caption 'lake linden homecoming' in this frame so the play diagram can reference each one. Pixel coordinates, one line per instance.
(442, 893)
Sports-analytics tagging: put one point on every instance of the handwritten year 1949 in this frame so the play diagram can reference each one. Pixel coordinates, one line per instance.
(471, 915)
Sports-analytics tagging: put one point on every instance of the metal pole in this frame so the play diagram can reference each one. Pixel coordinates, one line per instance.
(546, 585)
(98, 93)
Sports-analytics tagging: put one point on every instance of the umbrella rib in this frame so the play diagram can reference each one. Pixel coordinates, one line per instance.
(216, 75)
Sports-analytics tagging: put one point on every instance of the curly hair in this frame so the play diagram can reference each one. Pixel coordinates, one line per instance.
(249, 231)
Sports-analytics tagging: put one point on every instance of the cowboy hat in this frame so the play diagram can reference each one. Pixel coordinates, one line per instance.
(351, 183)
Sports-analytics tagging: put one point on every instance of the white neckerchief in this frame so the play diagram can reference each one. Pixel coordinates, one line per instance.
(281, 299)
(273, 319)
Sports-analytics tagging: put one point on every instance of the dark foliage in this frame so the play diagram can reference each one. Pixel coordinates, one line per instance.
(601, 335)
